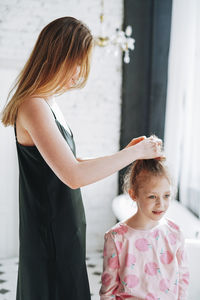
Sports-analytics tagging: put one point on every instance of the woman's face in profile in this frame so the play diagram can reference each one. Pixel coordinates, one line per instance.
(75, 77)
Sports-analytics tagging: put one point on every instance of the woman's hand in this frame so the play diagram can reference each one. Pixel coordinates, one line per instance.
(148, 148)
(136, 141)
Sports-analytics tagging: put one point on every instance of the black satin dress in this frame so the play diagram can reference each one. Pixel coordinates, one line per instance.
(52, 231)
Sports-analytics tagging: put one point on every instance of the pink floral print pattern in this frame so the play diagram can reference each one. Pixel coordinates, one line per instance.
(144, 264)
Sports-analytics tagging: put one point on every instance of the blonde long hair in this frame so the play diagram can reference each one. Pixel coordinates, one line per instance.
(61, 46)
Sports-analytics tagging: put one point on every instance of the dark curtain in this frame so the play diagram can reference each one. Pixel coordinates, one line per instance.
(144, 85)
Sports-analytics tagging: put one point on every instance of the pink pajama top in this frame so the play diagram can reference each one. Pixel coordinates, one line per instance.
(144, 264)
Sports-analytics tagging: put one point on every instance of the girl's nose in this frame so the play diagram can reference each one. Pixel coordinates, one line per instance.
(160, 202)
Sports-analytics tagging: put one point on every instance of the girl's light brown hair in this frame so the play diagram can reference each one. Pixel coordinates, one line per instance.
(62, 45)
(142, 170)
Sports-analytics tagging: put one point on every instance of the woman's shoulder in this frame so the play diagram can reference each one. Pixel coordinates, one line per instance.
(33, 111)
(30, 117)
(31, 106)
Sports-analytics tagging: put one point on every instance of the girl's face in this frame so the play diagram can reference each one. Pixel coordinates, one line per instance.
(153, 198)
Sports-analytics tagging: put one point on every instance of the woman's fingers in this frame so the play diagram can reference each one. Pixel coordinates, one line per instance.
(156, 143)
(158, 150)
(150, 147)
(155, 139)
(136, 141)
(161, 157)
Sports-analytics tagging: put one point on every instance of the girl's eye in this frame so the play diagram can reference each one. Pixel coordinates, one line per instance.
(152, 197)
(167, 196)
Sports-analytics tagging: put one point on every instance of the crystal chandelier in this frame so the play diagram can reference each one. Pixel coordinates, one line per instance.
(119, 40)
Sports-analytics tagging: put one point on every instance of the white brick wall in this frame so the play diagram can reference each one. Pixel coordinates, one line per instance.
(92, 113)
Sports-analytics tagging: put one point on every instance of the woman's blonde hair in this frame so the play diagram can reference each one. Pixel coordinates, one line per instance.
(62, 45)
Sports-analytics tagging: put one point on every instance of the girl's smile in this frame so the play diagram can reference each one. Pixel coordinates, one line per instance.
(157, 212)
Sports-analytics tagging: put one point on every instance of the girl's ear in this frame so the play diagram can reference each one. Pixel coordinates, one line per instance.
(132, 194)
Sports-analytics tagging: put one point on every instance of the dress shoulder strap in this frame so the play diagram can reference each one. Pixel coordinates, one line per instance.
(15, 131)
(52, 110)
(57, 119)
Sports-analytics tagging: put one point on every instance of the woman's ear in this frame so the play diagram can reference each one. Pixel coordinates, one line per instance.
(132, 194)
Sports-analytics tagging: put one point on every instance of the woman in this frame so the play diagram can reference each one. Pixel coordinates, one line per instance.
(52, 220)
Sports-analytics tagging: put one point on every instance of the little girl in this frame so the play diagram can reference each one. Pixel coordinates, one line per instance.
(144, 256)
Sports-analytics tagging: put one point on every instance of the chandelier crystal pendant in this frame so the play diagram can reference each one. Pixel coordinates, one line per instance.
(119, 40)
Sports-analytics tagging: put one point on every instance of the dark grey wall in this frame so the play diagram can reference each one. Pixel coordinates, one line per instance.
(145, 77)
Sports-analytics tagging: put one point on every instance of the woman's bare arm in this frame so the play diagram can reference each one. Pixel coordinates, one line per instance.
(133, 142)
(38, 120)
